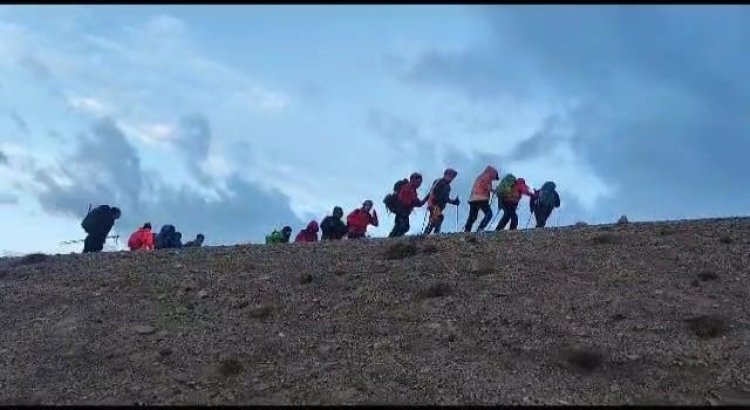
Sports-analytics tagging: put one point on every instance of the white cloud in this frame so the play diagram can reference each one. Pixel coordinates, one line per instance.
(88, 105)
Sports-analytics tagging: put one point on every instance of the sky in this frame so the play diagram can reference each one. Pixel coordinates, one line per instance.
(235, 120)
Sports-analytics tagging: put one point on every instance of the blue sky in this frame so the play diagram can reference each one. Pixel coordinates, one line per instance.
(233, 120)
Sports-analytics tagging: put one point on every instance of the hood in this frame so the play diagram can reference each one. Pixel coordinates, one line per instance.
(312, 226)
(549, 186)
(491, 173)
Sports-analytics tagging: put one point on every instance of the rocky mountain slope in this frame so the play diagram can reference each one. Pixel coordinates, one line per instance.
(638, 313)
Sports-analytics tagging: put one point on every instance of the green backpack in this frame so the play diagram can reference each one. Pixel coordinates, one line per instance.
(505, 189)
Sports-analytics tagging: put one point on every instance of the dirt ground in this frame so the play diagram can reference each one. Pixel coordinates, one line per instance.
(639, 313)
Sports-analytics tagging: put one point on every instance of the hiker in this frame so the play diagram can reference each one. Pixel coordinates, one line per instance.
(309, 234)
(510, 191)
(168, 238)
(332, 227)
(279, 236)
(143, 238)
(195, 243)
(97, 224)
(481, 194)
(358, 220)
(543, 202)
(403, 201)
(438, 199)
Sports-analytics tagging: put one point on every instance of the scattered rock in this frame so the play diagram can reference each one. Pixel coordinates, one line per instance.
(165, 352)
(144, 329)
(618, 317)
(230, 368)
(202, 294)
(658, 292)
(481, 267)
(241, 304)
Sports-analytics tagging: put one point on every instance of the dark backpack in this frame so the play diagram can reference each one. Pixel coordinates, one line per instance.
(547, 195)
(90, 219)
(391, 200)
(505, 189)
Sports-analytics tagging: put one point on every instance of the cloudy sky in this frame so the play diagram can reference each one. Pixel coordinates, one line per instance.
(234, 120)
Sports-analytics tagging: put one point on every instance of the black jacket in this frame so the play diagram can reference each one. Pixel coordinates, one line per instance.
(441, 193)
(167, 238)
(332, 228)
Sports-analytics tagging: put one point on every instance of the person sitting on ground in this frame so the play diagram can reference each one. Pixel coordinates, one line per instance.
(481, 194)
(510, 192)
(358, 220)
(97, 225)
(279, 236)
(439, 198)
(309, 234)
(195, 243)
(143, 238)
(406, 201)
(332, 227)
(168, 238)
(544, 202)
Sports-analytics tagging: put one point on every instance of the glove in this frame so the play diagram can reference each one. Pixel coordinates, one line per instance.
(456, 202)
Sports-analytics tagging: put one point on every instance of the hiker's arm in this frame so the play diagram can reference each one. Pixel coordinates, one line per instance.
(374, 218)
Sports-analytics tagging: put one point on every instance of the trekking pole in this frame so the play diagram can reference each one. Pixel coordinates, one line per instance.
(528, 220)
(456, 218)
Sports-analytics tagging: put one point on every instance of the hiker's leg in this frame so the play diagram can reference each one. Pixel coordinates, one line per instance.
(396, 227)
(88, 244)
(487, 211)
(439, 223)
(505, 218)
(513, 217)
(473, 212)
(95, 242)
(544, 214)
(540, 220)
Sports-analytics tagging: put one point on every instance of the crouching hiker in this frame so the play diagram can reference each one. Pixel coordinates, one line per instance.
(544, 202)
(97, 224)
(309, 234)
(143, 238)
(168, 238)
(438, 199)
(403, 201)
(279, 236)
(359, 219)
(332, 227)
(195, 243)
(510, 192)
(481, 194)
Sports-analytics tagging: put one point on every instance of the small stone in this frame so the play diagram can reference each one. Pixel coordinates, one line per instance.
(633, 357)
(144, 329)
(433, 326)
(305, 278)
(324, 348)
(658, 292)
(203, 294)
(614, 388)
(568, 317)
(165, 352)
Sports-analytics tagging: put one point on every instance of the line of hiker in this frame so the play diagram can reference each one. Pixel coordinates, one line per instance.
(100, 220)
(404, 198)
(332, 227)
(401, 202)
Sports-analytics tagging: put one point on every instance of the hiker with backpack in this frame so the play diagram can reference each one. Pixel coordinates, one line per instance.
(168, 238)
(309, 234)
(510, 192)
(402, 201)
(359, 219)
(481, 195)
(543, 202)
(438, 199)
(195, 243)
(142, 239)
(97, 224)
(279, 236)
(332, 227)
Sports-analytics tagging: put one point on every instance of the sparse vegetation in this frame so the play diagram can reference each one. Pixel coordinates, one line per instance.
(31, 259)
(584, 360)
(708, 326)
(401, 250)
(435, 291)
(604, 239)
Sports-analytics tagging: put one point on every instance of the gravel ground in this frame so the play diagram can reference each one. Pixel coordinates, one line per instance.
(638, 313)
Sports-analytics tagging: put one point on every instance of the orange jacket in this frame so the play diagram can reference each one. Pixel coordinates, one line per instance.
(141, 239)
(358, 221)
(482, 189)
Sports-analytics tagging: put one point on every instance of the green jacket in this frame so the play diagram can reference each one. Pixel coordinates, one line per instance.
(275, 237)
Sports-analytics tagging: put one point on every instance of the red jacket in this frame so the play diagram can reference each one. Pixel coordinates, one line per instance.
(141, 239)
(409, 197)
(519, 188)
(309, 234)
(358, 220)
